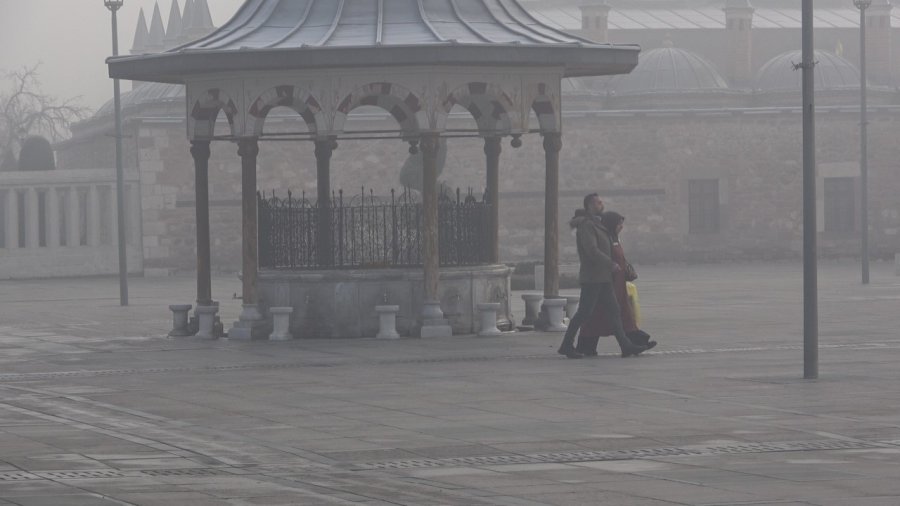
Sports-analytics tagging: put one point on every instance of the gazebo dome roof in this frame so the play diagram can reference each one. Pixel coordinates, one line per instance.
(290, 34)
(339, 23)
(832, 73)
(669, 70)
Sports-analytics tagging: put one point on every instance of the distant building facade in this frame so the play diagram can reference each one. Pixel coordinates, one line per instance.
(699, 147)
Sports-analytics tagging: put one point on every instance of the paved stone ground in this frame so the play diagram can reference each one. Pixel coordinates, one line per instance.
(98, 408)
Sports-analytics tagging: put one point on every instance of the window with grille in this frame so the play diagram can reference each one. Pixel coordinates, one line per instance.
(840, 205)
(703, 206)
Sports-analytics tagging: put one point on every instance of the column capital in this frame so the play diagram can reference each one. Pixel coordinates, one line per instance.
(248, 147)
(492, 146)
(552, 142)
(325, 148)
(200, 150)
(429, 143)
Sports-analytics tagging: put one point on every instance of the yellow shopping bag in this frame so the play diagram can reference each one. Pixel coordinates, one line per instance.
(635, 302)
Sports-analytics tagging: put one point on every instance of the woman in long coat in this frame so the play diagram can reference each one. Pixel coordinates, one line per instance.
(599, 325)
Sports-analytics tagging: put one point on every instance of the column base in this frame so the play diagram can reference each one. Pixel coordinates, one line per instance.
(433, 322)
(250, 325)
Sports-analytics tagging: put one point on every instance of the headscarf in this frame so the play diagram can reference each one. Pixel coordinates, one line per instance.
(611, 221)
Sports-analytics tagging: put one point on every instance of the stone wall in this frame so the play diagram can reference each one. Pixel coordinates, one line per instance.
(640, 163)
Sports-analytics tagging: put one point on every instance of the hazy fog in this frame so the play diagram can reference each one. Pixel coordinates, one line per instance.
(72, 38)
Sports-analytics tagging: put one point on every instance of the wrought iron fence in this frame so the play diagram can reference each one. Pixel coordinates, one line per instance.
(369, 232)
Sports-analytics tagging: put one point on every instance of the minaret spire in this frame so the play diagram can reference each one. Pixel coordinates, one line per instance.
(202, 17)
(175, 28)
(197, 21)
(187, 20)
(156, 42)
(141, 35)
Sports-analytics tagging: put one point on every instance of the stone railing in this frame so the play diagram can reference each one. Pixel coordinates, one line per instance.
(62, 223)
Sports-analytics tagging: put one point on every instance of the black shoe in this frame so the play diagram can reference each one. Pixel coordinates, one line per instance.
(651, 344)
(639, 337)
(633, 350)
(590, 354)
(570, 353)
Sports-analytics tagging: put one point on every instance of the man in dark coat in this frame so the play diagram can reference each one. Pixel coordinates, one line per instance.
(595, 277)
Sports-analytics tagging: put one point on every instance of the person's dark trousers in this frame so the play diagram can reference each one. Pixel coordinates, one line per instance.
(591, 295)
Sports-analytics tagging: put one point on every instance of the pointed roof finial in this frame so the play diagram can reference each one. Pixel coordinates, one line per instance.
(156, 42)
(173, 31)
(141, 35)
(187, 19)
(197, 21)
(202, 17)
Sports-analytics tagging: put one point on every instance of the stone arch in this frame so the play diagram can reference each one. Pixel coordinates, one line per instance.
(299, 100)
(545, 108)
(490, 106)
(407, 108)
(205, 111)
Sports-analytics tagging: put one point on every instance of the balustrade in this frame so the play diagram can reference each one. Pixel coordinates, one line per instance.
(63, 222)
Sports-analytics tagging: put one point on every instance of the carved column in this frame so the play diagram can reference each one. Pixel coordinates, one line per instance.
(492, 151)
(324, 245)
(552, 146)
(251, 324)
(431, 257)
(248, 150)
(433, 322)
(200, 153)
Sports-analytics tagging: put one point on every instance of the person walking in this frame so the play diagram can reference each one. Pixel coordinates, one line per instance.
(599, 324)
(595, 277)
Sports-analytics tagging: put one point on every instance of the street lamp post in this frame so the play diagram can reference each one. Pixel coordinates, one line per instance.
(862, 5)
(810, 265)
(114, 6)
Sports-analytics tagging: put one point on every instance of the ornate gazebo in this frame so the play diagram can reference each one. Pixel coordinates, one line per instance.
(416, 59)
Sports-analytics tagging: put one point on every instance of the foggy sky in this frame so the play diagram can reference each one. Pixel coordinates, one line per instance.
(73, 38)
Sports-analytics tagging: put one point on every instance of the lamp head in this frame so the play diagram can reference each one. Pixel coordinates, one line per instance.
(862, 4)
(113, 5)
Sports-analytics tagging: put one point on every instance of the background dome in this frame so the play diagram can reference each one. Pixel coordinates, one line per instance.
(144, 94)
(832, 73)
(669, 70)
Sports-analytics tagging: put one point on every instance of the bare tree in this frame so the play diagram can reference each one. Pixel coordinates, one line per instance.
(26, 110)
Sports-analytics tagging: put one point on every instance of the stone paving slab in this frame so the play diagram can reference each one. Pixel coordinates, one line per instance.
(97, 406)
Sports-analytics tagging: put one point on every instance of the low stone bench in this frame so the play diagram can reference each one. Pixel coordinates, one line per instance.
(488, 313)
(532, 308)
(555, 310)
(281, 323)
(387, 322)
(180, 320)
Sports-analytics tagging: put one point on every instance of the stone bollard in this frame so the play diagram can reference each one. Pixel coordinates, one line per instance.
(180, 320)
(488, 312)
(206, 319)
(572, 305)
(532, 308)
(281, 323)
(555, 309)
(387, 322)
